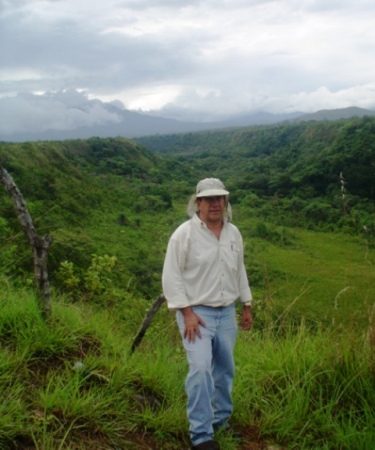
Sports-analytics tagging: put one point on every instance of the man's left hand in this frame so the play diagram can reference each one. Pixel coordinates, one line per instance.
(247, 318)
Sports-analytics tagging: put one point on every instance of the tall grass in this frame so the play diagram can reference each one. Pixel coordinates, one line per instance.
(326, 277)
(72, 384)
(307, 389)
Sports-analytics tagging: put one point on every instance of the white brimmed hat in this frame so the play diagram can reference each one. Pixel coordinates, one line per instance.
(210, 187)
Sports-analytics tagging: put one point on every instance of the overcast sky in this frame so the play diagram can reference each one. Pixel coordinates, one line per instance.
(201, 59)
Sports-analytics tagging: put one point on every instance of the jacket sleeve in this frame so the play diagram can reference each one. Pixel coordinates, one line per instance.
(172, 280)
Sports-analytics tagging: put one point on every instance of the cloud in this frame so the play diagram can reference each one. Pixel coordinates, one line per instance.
(65, 110)
(207, 106)
(198, 58)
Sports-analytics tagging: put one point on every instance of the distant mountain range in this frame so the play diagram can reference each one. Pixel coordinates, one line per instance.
(335, 114)
(132, 124)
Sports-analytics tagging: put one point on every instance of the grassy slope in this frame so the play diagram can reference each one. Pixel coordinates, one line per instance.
(326, 277)
(295, 387)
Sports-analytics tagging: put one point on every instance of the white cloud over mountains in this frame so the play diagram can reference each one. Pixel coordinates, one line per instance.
(59, 111)
(198, 59)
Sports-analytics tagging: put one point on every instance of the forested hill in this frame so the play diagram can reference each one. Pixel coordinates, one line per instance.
(303, 160)
(95, 197)
(123, 198)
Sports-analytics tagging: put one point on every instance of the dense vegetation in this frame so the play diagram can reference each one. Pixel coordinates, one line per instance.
(303, 196)
(299, 166)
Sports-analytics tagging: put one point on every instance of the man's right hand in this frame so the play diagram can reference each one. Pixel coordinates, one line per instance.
(192, 323)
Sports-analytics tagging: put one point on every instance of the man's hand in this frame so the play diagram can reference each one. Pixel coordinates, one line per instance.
(247, 318)
(192, 322)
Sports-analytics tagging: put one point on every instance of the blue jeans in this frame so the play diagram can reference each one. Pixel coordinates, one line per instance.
(211, 371)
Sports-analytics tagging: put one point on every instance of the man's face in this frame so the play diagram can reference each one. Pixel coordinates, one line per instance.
(211, 209)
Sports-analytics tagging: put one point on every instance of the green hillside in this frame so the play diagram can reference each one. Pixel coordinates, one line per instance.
(113, 197)
(93, 197)
(287, 161)
(303, 197)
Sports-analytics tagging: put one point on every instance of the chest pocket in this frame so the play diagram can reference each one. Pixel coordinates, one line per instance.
(232, 255)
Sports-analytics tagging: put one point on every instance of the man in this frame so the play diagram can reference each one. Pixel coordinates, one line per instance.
(203, 276)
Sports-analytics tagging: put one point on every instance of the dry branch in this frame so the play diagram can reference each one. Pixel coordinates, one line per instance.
(147, 321)
(39, 245)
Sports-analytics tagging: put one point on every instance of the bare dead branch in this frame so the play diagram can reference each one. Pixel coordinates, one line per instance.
(39, 245)
(147, 322)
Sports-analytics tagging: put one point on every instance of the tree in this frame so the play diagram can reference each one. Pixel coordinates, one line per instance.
(39, 245)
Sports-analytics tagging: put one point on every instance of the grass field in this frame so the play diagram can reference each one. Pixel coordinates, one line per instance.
(305, 373)
(324, 277)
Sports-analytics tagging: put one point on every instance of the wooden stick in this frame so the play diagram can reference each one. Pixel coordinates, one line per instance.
(39, 245)
(147, 322)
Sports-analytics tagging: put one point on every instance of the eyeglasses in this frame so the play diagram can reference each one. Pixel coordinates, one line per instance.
(215, 198)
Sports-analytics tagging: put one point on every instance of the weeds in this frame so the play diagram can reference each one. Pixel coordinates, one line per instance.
(307, 388)
(297, 388)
